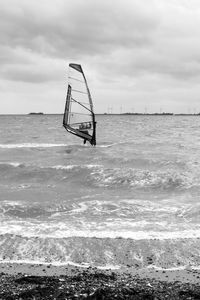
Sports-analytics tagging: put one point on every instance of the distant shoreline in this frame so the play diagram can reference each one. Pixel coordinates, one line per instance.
(36, 113)
(150, 114)
(106, 114)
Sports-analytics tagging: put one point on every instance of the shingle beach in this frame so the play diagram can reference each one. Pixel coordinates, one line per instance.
(38, 281)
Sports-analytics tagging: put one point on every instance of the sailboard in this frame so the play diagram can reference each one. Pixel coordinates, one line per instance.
(79, 117)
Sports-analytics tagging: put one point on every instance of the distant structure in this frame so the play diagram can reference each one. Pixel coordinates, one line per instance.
(146, 113)
(150, 114)
(36, 113)
(110, 110)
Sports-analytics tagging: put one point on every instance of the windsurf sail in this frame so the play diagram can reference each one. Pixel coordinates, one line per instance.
(79, 117)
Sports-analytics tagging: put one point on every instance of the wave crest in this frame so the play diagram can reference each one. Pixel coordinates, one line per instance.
(98, 176)
(31, 145)
(140, 179)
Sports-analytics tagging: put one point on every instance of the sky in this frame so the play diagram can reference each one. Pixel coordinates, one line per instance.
(137, 55)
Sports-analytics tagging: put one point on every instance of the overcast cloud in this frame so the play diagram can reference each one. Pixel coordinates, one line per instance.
(135, 53)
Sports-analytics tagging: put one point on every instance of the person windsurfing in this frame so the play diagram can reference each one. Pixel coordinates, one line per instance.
(79, 117)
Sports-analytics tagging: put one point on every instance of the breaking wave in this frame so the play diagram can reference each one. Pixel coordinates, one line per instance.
(124, 177)
(10, 164)
(130, 219)
(101, 252)
(30, 145)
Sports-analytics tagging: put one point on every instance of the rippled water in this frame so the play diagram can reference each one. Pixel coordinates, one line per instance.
(131, 200)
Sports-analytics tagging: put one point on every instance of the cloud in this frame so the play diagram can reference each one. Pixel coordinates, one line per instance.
(81, 27)
(62, 30)
(20, 64)
(141, 46)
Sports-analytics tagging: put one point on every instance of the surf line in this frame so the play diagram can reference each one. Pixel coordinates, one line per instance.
(30, 145)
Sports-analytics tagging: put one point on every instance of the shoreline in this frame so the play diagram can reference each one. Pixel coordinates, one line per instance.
(47, 281)
(183, 274)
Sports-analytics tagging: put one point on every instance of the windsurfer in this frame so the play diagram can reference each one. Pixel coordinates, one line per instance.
(79, 117)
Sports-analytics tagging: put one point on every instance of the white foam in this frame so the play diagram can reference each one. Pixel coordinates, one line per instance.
(70, 167)
(139, 235)
(60, 167)
(12, 202)
(57, 263)
(81, 208)
(108, 267)
(31, 145)
(166, 205)
(24, 186)
(38, 262)
(109, 145)
(64, 230)
(174, 268)
(13, 164)
(86, 265)
(106, 146)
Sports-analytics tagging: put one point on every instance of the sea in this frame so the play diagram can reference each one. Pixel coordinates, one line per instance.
(131, 201)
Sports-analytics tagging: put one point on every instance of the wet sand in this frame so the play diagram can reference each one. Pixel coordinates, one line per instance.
(38, 281)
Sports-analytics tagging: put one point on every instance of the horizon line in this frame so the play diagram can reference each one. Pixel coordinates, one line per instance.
(110, 114)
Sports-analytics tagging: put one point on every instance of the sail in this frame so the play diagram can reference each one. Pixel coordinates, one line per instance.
(79, 117)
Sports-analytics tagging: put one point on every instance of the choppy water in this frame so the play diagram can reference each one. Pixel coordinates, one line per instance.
(131, 200)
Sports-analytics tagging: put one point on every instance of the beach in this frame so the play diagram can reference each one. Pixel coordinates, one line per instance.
(28, 281)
